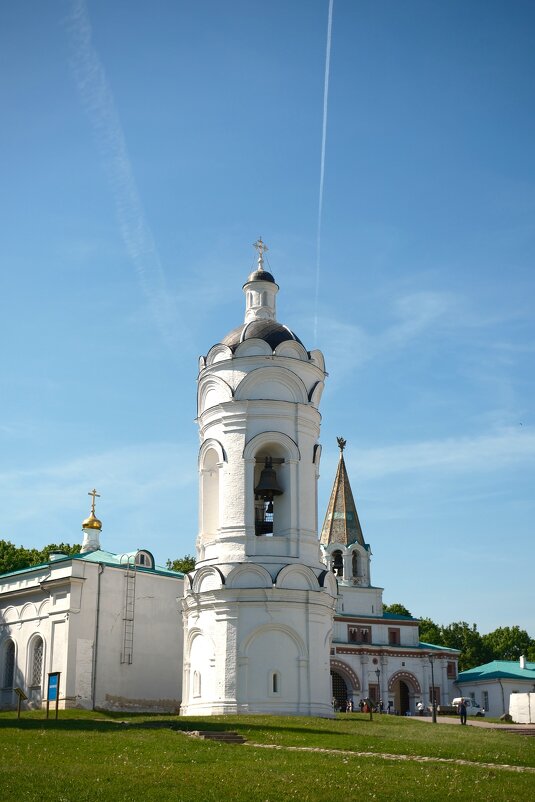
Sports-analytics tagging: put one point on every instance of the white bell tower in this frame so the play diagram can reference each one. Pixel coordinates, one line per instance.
(258, 610)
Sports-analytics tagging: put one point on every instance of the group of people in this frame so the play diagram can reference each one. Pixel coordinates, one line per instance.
(346, 706)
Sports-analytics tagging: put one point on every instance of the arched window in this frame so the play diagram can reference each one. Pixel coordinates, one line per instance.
(275, 683)
(8, 667)
(144, 559)
(196, 683)
(355, 564)
(36, 664)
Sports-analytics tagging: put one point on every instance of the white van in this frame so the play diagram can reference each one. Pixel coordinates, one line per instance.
(472, 707)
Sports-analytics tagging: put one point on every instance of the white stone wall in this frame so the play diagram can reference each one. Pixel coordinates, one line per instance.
(499, 693)
(82, 631)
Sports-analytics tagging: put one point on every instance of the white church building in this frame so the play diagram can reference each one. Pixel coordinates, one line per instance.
(272, 619)
(110, 624)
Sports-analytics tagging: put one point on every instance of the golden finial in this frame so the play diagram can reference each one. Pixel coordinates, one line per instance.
(92, 522)
(261, 247)
(341, 443)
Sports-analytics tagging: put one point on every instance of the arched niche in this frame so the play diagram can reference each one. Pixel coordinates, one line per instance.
(200, 653)
(43, 608)
(272, 383)
(218, 353)
(249, 576)
(266, 629)
(28, 611)
(212, 456)
(253, 347)
(292, 349)
(10, 615)
(296, 577)
(211, 392)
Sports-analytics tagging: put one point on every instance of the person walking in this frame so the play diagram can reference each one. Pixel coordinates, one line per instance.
(462, 712)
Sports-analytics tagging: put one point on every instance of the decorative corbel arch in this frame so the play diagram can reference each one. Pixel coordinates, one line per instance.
(265, 438)
(296, 577)
(253, 347)
(407, 677)
(315, 393)
(212, 390)
(347, 673)
(218, 353)
(249, 575)
(261, 384)
(210, 576)
(292, 349)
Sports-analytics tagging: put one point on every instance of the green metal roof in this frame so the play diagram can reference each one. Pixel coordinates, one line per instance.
(436, 648)
(99, 556)
(499, 669)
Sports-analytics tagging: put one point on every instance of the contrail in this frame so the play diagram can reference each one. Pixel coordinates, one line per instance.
(322, 165)
(97, 99)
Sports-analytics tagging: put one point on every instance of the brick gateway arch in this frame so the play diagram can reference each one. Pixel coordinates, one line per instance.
(405, 687)
(345, 683)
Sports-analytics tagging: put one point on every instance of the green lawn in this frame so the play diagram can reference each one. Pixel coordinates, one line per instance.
(88, 756)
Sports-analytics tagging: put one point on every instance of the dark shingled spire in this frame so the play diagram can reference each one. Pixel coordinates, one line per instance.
(341, 523)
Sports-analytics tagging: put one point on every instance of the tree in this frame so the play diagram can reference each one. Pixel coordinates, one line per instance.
(183, 564)
(508, 643)
(460, 635)
(431, 632)
(396, 608)
(16, 558)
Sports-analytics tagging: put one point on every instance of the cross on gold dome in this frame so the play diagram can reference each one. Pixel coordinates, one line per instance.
(261, 247)
(95, 495)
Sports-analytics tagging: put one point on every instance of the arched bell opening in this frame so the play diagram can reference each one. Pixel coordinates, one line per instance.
(337, 563)
(269, 489)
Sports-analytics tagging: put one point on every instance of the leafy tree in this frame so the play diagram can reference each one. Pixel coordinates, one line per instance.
(183, 564)
(460, 635)
(507, 643)
(431, 632)
(396, 608)
(15, 558)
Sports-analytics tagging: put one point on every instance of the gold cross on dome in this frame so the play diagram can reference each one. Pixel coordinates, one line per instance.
(261, 247)
(95, 495)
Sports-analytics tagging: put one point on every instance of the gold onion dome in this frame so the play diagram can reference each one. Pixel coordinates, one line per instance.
(92, 522)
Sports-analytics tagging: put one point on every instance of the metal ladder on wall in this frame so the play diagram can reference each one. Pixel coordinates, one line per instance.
(127, 652)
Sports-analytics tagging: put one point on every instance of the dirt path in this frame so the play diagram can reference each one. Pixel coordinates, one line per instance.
(387, 756)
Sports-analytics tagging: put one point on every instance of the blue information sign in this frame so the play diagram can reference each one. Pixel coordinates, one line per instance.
(53, 691)
(53, 681)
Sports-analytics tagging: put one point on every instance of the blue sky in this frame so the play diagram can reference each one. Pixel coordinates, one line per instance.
(145, 147)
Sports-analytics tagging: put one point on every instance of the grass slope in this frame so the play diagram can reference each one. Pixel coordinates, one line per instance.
(91, 756)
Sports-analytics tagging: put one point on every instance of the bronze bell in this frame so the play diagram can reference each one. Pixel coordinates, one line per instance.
(268, 486)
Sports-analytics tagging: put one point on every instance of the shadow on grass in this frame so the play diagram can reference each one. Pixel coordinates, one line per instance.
(114, 722)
